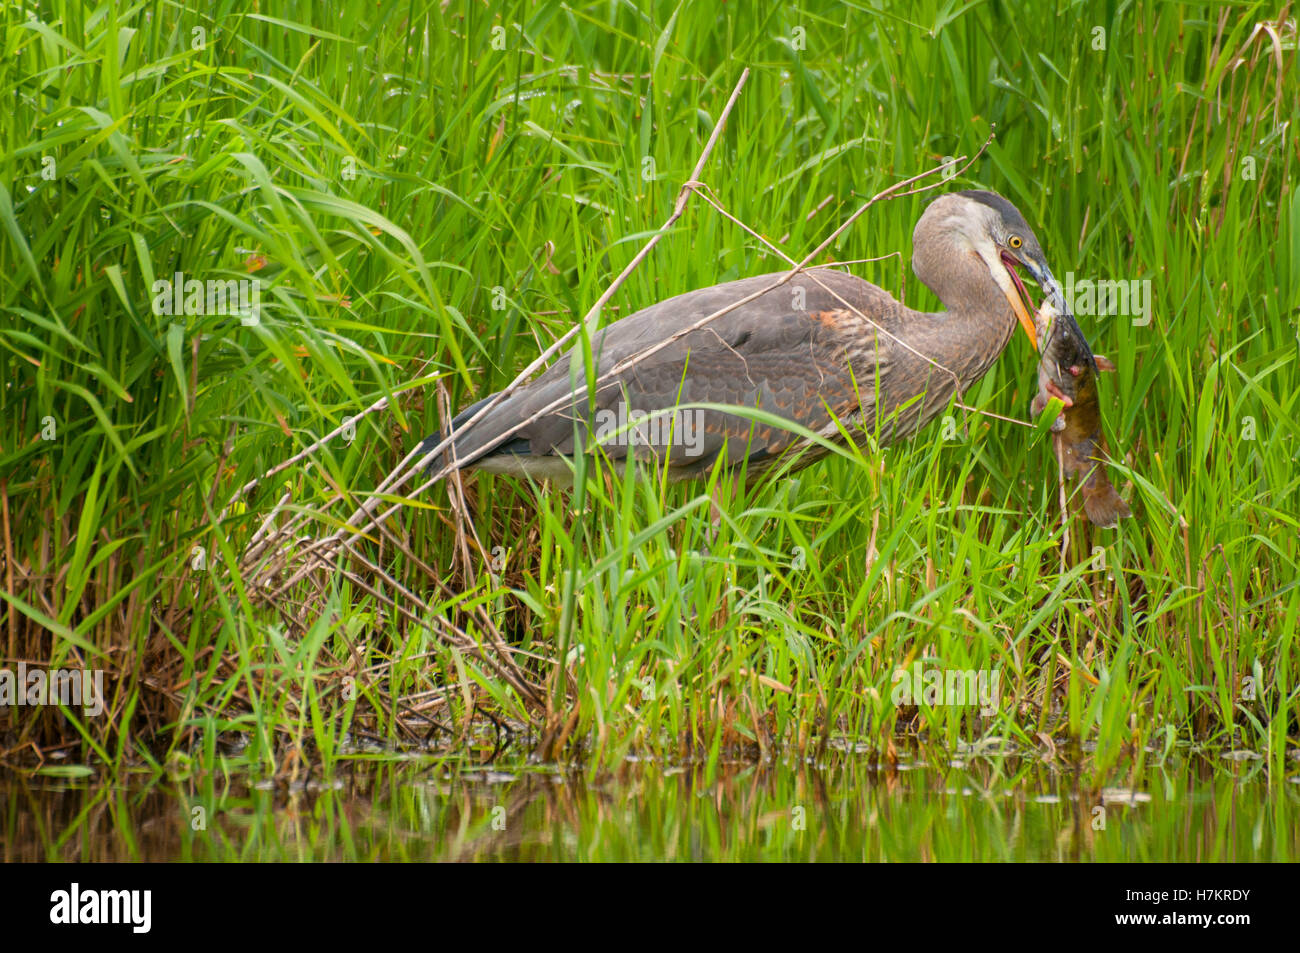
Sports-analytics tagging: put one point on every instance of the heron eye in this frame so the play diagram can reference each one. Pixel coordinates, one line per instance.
(1015, 241)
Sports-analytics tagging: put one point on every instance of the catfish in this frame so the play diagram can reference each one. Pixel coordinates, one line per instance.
(1068, 370)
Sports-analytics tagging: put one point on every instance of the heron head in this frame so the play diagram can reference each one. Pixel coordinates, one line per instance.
(983, 230)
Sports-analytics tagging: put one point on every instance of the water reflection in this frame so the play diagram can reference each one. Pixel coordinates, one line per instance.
(847, 809)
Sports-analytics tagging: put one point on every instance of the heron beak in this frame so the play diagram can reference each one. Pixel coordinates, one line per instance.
(1021, 303)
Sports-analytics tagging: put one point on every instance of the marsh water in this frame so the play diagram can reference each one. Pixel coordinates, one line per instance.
(1208, 807)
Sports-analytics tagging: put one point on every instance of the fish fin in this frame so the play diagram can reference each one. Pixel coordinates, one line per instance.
(1103, 505)
(1103, 362)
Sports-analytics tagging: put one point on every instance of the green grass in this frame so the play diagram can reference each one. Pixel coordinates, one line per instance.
(430, 197)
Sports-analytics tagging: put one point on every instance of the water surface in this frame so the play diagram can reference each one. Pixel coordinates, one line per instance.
(1202, 808)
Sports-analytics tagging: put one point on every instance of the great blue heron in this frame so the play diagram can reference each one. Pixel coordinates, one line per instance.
(824, 347)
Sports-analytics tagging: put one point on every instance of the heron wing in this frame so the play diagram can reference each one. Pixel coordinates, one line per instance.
(801, 351)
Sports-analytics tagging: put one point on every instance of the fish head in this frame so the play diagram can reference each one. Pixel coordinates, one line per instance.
(1066, 366)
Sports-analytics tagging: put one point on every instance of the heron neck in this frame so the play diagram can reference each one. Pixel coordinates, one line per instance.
(974, 331)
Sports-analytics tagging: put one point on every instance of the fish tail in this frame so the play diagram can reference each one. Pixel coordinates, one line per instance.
(1103, 505)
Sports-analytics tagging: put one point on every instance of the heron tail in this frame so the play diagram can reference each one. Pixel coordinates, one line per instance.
(482, 434)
